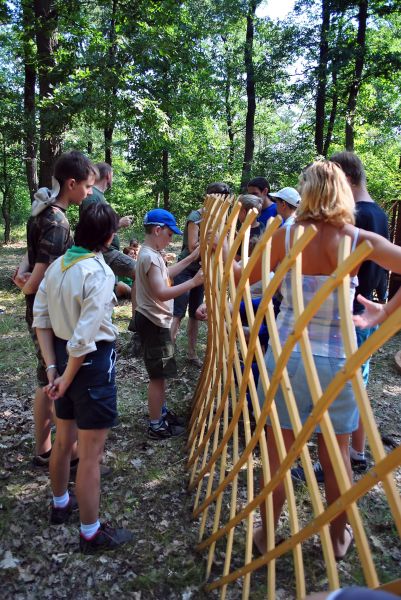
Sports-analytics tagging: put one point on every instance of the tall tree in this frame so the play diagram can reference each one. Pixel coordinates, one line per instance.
(355, 86)
(51, 129)
(29, 59)
(320, 103)
(250, 94)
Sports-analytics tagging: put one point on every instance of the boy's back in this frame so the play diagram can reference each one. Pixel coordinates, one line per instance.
(158, 311)
(48, 236)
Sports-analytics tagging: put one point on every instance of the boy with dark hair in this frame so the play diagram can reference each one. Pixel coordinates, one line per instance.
(369, 216)
(218, 187)
(259, 186)
(121, 264)
(154, 314)
(72, 316)
(48, 237)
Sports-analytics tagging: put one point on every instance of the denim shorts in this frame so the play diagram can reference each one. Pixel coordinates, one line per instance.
(157, 347)
(343, 411)
(191, 299)
(91, 399)
(361, 336)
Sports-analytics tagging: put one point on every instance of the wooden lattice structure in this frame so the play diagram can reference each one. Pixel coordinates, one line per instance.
(224, 447)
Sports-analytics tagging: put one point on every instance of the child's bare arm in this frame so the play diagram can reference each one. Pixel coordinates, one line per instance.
(173, 270)
(32, 284)
(163, 292)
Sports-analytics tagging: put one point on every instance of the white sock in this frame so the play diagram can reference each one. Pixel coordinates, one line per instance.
(61, 501)
(88, 531)
(356, 455)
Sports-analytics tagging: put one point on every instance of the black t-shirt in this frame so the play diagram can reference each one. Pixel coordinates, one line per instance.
(371, 277)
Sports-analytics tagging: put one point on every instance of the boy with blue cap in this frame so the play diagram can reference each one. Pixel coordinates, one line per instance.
(154, 314)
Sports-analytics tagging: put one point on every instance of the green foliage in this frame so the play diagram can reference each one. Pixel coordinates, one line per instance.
(167, 79)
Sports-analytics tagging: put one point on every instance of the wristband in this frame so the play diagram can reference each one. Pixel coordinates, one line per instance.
(51, 367)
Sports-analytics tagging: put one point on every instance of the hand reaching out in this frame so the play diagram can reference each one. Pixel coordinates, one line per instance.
(201, 313)
(125, 221)
(374, 314)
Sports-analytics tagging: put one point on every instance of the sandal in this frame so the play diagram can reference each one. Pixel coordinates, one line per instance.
(348, 529)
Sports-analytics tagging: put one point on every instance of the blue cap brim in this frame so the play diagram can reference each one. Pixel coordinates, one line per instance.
(175, 229)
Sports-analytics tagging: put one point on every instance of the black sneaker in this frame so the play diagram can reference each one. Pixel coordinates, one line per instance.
(164, 431)
(42, 460)
(106, 538)
(298, 474)
(173, 419)
(359, 465)
(58, 516)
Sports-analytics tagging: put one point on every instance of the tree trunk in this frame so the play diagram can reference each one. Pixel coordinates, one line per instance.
(357, 78)
(228, 106)
(110, 113)
(5, 210)
(108, 144)
(165, 179)
(6, 192)
(50, 126)
(333, 114)
(29, 99)
(251, 97)
(320, 105)
(229, 121)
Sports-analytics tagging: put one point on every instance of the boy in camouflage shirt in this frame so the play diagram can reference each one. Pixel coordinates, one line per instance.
(48, 237)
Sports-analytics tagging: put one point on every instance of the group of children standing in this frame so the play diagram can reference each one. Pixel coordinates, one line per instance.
(69, 292)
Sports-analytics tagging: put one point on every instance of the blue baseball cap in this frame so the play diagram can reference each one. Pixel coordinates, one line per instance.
(159, 216)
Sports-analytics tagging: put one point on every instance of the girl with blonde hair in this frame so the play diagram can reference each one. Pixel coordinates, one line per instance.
(327, 203)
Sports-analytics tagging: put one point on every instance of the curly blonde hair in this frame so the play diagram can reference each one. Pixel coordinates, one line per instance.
(325, 195)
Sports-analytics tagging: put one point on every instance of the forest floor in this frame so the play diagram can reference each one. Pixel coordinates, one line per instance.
(147, 490)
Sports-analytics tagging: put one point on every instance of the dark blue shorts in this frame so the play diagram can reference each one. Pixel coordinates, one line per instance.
(191, 299)
(91, 399)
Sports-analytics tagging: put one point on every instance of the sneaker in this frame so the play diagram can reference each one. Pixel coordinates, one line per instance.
(41, 460)
(58, 516)
(164, 431)
(106, 538)
(173, 419)
(359, 465)
(298, 474)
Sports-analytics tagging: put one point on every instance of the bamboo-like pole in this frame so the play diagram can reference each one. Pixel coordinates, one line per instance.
(223, 443)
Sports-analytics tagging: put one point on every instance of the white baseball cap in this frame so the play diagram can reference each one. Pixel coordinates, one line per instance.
(289, 195)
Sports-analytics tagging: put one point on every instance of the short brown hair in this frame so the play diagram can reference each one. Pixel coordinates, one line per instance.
(218, 187)
(73, 165)
(260, 182)
(104, 169)
(352, 166)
